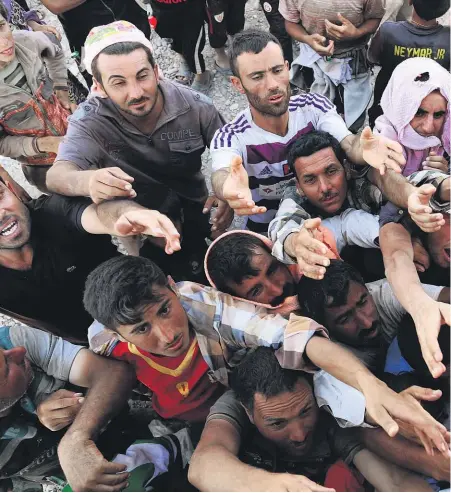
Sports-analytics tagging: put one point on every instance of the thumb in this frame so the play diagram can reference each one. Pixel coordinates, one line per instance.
(426, 191)
(236, 164)
(424, 394)
(123, 226)
(312, 223)
(366, 134)
(432, 153)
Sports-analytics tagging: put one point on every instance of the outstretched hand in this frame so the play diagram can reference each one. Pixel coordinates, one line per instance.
(236, 190)
(421, 212)
(381, 153)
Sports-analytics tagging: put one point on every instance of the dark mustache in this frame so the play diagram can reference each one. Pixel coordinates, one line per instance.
(288, 290)
(5, 220)
(137, 101)
(364, 332)
(328, 195)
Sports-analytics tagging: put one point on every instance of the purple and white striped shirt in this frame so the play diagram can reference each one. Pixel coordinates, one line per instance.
(264, 154)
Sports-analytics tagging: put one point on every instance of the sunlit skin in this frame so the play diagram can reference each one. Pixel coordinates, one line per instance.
(288, 419)
(7, 47)
(130, 82)
(15, 375)
(430, 116)
(322, 179)
(438, 244)
(270, 286)
(164, 328)
(356, 322)
(265, 79)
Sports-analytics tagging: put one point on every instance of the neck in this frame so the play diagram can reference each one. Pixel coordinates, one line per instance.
(275, 124)
(416, 19)
(147, 124)
(17, 259)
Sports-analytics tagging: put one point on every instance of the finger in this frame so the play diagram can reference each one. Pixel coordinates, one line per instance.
(310, 270)
(398, 150)
(112, 180)
(61, 404)
(419, 267)
(111, 467)
(366, 134)
(424, 439)
(425, 218)
(66, 412)
(249, 211)
(211, 202)
(108, 191)
(172, 240)
(424, 394)
(385, 421)
(118, 173)
(114, 479)
(312, 223)
(235, 164)
(392, 164)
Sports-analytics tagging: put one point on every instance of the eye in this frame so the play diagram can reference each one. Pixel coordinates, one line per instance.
(439, 115)
(309, 181)
(272, 269)
(143, 76)
(257, 77)
(256, 291)
(343, 320)
(420, 112)
(165, 309)
(277, 70)
(142, 329)
(118, 83)
(277, 425)
(304, 412)
(363, 301)
(331, 171)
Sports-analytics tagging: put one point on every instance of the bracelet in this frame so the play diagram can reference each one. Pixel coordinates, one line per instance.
(60, 88)
(35, 145)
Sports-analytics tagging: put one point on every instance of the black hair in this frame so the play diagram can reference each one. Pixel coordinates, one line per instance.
(430, 9)
(410, 348)
(314, 295)
(261, 372)
(230, 259)
(249, 41)
(118, 290)
(121, 48)
(313, 142)
(3, 11)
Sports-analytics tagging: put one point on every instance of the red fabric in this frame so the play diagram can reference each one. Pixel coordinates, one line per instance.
(187, 396)
(342, 478)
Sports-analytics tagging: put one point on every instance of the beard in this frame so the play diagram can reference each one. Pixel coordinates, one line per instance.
(8, 402)
(269, 109)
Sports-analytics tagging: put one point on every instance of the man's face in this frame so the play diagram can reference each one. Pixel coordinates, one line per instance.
(322, 179)
(270, 286)
(430, 116)
(438, 244)
(164, 329)
(7, 47)
(129, 81)
(15, 223)
(15, 376)
(288, 420)
(265, 79)
(357, 321)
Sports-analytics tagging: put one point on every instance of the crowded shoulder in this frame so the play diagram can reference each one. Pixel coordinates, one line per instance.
(197, 303)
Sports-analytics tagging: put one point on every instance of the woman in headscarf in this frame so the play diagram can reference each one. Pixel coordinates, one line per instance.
(417, 114)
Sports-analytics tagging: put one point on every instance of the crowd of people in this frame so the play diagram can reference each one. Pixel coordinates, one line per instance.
(308, 351)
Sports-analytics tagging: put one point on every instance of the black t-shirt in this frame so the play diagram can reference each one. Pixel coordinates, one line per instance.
(79, 21)
(50, 294)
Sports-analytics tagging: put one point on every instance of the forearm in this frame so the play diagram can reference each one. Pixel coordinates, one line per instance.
(101, 218)
(66, 178)
(296, 31)
(353, 149)
(217, 182)
(17, 146)
(405, 453)
(393, 186)
(108, 392)
(368, 27)
(340, 363)
(58, 7)
(232, 475)
(385, 476)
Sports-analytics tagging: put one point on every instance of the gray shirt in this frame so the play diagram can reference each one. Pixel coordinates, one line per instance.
(167, 159)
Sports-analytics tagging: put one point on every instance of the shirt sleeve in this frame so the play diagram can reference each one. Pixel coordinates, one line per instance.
(289, 219)
(375, 49)
(355, 228)
(79, 146)
(330, 121)
(289, 11)
(374, 9)
(224, 147)
(229, 409)
(52, 354)
(242, 325)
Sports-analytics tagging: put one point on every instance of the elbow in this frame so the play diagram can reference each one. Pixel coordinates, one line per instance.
(195, 469)
(50, 179)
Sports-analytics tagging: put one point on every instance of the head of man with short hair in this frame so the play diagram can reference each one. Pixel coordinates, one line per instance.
(316, 159)
(132, 296)
(241, 264)
(260, 72)
(120, 59)
(280, 403)
(342, 303)
(16, 375)
(430, 9)
(15, 221)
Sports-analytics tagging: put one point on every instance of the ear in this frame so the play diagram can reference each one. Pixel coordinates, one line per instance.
(249, 415)
(158, 73)
(236, 83)
(98, 88)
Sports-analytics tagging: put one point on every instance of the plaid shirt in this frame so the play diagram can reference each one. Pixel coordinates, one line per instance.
(294, 209)
(226, 328)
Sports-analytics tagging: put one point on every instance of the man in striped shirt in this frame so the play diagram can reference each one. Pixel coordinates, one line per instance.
(257, 140)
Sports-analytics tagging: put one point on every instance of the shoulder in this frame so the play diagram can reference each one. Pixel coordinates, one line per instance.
(235, 128)
(194, 98)
(310, 100)
(87, 109)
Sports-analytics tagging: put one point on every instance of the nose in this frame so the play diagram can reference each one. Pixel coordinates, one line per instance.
(324, 184)
(274, 287)
(15, 355)
(272, 81)
(365, 321)
(136, 91)
(164, 334)
(298, 432)
(428, 125)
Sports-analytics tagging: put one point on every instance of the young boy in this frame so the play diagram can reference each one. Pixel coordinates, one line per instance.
(182, 337)
(421, 36)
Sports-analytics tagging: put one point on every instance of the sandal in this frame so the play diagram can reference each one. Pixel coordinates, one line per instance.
(184, 75)
(205, 86)
(227, 72)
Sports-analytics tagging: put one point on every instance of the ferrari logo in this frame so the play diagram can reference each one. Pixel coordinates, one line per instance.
(183, 388)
